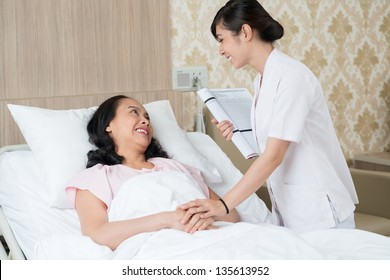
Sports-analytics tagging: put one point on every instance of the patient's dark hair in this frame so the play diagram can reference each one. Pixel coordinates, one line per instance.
(235, 13)
(106, 152)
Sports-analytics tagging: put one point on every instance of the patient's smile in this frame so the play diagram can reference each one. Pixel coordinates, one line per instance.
(143, 131)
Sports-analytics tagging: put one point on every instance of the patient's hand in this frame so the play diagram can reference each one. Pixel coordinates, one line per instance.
(175, 218)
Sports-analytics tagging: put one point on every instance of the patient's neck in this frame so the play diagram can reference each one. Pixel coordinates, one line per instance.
(139, 166)
(137, 162)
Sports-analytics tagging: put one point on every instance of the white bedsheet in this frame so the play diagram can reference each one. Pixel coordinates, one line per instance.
(239, 241)
(155, 192)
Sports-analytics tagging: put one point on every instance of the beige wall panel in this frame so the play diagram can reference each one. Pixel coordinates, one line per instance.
(70, 47)
(74, 53)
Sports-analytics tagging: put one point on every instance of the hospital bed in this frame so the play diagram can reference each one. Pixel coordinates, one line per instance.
(37, 222)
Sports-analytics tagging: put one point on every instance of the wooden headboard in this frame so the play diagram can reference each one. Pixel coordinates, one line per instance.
(64, 54)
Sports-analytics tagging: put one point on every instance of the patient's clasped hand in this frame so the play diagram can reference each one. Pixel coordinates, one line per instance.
(121, 130)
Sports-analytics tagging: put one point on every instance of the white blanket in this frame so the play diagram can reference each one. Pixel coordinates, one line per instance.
(153, 193)
(162, 191)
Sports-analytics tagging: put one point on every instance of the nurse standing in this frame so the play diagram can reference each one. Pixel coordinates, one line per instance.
(308, 180)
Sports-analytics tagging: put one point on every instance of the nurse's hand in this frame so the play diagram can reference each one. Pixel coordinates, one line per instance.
(206, 207)
(225, 127)
(196, 223)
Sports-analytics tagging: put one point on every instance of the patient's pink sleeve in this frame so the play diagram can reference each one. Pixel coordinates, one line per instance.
(93, 179)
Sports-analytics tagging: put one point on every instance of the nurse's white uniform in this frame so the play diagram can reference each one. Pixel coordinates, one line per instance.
(313, 176)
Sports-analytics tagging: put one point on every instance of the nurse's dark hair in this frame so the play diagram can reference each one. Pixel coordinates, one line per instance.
(98, 136)
(235, 13)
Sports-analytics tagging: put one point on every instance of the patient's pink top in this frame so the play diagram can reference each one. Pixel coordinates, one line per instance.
(104, 181)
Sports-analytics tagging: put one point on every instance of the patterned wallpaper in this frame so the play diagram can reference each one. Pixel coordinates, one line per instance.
(344, 42)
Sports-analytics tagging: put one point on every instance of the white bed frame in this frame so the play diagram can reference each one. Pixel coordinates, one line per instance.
(12, 249)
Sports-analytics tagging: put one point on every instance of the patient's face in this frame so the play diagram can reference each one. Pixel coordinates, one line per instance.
(131, 127)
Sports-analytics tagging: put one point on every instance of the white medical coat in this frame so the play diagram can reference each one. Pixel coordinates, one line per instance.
(290, 105)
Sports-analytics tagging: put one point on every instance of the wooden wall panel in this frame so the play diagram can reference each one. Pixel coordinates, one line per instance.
(74, 53)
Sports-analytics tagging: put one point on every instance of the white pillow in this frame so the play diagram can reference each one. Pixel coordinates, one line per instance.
(59, 142)
(175, 140)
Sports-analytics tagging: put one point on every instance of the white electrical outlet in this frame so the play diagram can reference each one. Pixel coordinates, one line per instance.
(183, 78)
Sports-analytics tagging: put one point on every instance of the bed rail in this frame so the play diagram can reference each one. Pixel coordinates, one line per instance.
(12, 249)
(10, 148)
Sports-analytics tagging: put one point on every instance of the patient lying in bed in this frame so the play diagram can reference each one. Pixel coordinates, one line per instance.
(110, 200)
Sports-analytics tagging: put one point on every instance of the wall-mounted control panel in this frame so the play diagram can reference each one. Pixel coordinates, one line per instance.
(188, 78)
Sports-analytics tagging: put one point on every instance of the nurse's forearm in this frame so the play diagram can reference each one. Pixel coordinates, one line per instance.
(257, 173)
(253, 179)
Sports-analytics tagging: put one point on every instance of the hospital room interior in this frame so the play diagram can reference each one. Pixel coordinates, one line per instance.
(74, 54)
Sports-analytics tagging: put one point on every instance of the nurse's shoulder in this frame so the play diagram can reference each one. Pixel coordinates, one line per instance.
(290, 66)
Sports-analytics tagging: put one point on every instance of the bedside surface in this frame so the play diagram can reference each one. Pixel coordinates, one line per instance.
(373, 161)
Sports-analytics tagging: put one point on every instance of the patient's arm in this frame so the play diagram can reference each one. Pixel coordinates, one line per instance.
(94, 222)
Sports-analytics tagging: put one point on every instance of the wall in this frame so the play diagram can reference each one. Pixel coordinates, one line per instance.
(345, 43)
(65, 54)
